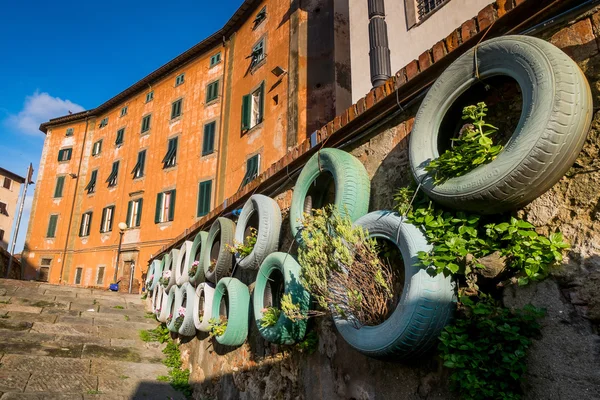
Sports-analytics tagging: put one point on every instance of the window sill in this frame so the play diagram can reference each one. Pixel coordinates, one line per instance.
(64, 162)
(144, 133)
(258, 65)
(112, 187)
(171, 168)
(177, 85)
(211, 102)
(139, 178)
(258, 24)
(207, 155)
(215, 64)
(118, 145)
(254, 128)
(175, 119)
(164, 223)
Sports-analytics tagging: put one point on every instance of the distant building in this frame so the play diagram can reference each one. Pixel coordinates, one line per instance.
(165, 151)
(10, 187)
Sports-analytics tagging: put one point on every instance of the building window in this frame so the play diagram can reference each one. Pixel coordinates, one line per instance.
(3, 209)
(260, 17)
(104, 122)
(97, 148)
(65, 154)
(146, 123)
(204, 196)
(212, 91)
(91, 186)
(208, 141)
(165, 207)
(107, 219)
(51, 231)
(45, 262)
(86, 223)
(69, 132)
(58, 189)
(149, 97)
(120, 137)
(78, 273)
(179, 79)
(138, 170)
(252, 167)
(7, 183)
(214, 60)
(176, 108)
(171, 157)
(258, 53)
(134, 213)
(114, 173)
(1, 235)
(253, 108)
(124, 111)
(100, 276)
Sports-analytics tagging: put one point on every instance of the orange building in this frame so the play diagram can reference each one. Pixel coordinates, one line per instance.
(165, 151)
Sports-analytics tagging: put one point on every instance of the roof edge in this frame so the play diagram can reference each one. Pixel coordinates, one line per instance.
(12, 175)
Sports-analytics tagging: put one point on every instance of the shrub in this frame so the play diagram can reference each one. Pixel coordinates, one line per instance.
(244, 249)
(270, 316)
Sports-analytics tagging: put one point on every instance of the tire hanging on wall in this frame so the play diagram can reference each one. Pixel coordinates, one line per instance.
(168, 299)
(223, 229)
(157, 295)
(197, 254)
(269, 226)
(556, 116)
(157, 272)
(205, 293)
(188, 294)
(150, 274)
(183, 263)
(170, 260)
(175, 304)
(267, 292)
(237, 309)
(424, 308)
(352, 186)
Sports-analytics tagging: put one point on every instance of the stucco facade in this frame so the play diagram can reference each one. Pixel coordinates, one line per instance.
(10, 187)
(408, 35)
(199, 92)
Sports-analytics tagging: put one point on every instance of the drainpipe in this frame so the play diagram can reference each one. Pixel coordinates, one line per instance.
(379, 51)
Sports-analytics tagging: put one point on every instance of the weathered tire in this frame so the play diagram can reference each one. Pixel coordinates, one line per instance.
(183, 263)
(426, 305)
(188, 294)
(352, 186)
(285, 331)
(237, 310)
(168, 300)
(269, 226)
(150, 274)
(205, 293)
(170, 260)
(175, 304)
(556, 116)
(157, 295)
(157, 272)
(197, 254)
(225, 229)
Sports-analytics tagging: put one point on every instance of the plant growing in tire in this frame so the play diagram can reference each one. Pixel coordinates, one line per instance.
(243, 250)
(180, 318)
(166, 276)
(194, 268)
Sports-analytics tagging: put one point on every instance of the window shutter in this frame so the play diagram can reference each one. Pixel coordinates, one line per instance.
(172, 206)
(159, 198)
(100, 146)
(60, 153)
(138, 221)
(102, 220)
(246, 107)
(58, 191)
(51, 232)
(142, 162)
(81, 225)
(175, 141)
(129, 208)
(261, 109)
(112, 217)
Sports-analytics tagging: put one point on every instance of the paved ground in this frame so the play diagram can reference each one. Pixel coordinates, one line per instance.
(60, 342)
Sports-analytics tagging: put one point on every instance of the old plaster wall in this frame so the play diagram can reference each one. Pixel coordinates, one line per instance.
(563, 362)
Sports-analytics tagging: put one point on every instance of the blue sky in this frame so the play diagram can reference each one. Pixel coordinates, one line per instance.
(65, 56)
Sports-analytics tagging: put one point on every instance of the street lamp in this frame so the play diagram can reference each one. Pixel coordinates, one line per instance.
(122, 227)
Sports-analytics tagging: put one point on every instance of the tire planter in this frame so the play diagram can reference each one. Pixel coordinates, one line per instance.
(425, 307)
(556, 116)
(197, 254)
(238, 305)
(187, 300)
(183, 263)
(205, 293)
(352, 186)
(279, 268)
(170, 260)
(168, 299)
(157, 272)
(150, 273)
(174, 305)
(267, 213)
(157, 295)
(220, 235)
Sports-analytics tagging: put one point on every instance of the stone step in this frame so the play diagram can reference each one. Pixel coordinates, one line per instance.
(41, 364)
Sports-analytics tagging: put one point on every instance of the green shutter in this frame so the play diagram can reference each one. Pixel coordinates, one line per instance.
(60, 152)
(142, 161)
(246, 109)
(172, 206)
(208, 143)
(112, 217)
(102, 220)
(204, 194)
(89, 224)
(81, 226)
(69, 153)
(261, 109)
(129, 208)
(159, 198)
(100, 146)
(138, 221)
(51, 232)
(60, 182)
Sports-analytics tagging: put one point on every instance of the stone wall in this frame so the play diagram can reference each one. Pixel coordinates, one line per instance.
(563, 362)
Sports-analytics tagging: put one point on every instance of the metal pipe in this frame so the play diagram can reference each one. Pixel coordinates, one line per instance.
(16, 233)
(118, 256)
(379, 51)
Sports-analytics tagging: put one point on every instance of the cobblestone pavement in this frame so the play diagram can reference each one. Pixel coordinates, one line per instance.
(60, 342)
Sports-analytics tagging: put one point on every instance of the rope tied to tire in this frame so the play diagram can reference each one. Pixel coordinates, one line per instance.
(475, 52)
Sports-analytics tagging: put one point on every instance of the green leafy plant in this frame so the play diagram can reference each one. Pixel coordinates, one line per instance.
(486, 348)
(270, 316)
(212, 265)
(159, 334)
(119, 307)
(244, 249)
(217, 326)
(149, 315)
(339, 265)
(474, 147)
(178, 377)
(126, 317)
(309, 344)
(194, 268)
(145, 296)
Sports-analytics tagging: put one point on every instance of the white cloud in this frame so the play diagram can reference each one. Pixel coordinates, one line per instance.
(38, 108)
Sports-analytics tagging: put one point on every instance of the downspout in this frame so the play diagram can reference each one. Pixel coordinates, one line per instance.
(64, 255)
(379, 51)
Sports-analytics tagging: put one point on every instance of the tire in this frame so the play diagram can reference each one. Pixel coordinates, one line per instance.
(150, 274)
(205, 291)
(556, 116)
(352, 186)
(183, 263)
(189, 295)
(175, 304)
(269, 226)
(198, 245)
(168, 300)
(170, 260)
(223, 229)
(237, 310)
(157, 295)
(425, 307)
(285, 331)
(157, 272)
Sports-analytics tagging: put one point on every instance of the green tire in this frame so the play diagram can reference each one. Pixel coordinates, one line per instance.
(237, 309)
(197, 254)
(267, 294)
